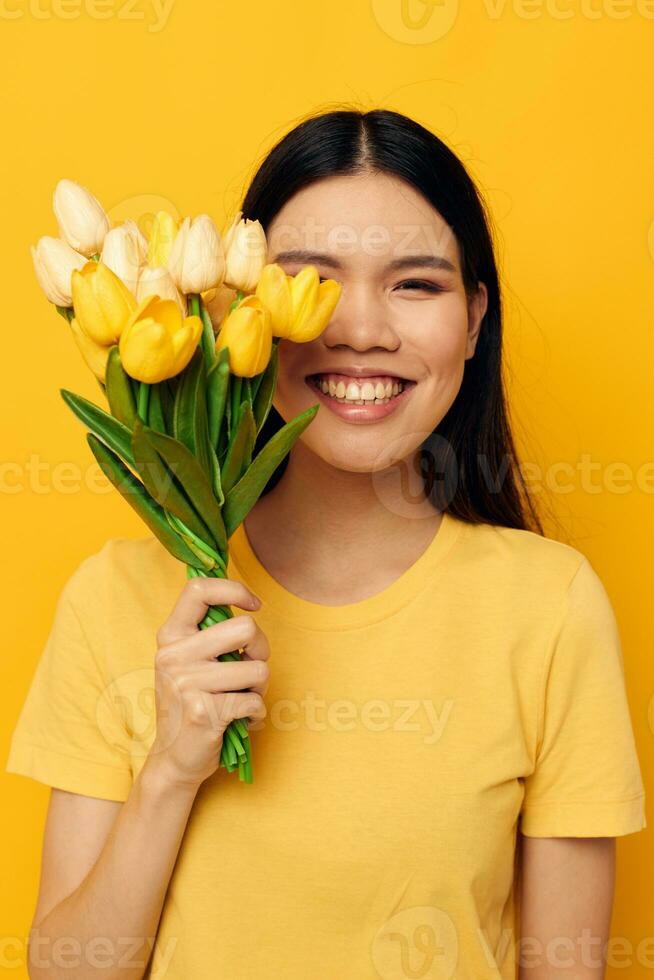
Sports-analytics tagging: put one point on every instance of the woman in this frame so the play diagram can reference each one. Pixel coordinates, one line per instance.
(436, 692)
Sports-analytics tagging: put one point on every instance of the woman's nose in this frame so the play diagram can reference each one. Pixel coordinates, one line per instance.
(360, 320)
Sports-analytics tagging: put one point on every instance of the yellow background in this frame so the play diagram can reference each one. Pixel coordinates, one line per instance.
(548, 104)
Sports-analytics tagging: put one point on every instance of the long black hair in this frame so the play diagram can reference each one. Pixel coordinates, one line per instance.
(469, 462)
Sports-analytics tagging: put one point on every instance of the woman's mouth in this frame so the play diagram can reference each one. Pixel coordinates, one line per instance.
(362, 399)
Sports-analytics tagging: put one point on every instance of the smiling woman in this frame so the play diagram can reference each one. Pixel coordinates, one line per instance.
(383, 206)
(400, 564)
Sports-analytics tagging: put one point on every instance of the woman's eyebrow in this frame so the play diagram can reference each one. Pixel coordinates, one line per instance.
(307, 256)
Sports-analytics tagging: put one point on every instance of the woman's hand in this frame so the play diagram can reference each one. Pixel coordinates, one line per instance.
(197, 696)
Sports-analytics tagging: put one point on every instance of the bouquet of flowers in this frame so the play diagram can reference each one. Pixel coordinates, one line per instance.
(180, 325)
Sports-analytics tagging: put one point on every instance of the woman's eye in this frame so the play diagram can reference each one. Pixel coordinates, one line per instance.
(430, 287)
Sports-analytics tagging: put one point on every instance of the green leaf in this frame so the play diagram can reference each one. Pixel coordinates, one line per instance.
(242, 497)
(116, 435)
(136, 495)
(190, 424)
(217, 391)
(208, 341)
(165, 484)
(193, 481)
(266, 389)
(216, 480)
(239, 453)
(120, 394)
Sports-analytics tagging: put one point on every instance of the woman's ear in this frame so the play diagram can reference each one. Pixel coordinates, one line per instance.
(477, 306)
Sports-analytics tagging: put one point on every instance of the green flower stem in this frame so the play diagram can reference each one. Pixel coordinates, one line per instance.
(143, 401)
(230, 753)
(236, 741)
(207, 339)
(235, 392)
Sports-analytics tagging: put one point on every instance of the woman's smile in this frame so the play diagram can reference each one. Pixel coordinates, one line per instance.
(368, 400)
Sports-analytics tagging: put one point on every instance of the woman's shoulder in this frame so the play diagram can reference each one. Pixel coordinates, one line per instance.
(122, 566)
(524, 558)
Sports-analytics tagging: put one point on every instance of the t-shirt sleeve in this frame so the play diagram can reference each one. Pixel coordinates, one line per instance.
(586, 780)
(68, 734)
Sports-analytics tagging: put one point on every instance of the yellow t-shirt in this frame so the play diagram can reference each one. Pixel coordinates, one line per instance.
(409, 736)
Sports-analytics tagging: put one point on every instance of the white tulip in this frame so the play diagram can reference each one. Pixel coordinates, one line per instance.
(80, 216)
(197, 259)
(246, 248)
(158, 281)
(125, 251)
(54, 262)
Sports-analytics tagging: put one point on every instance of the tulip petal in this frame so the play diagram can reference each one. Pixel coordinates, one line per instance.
(166, 312)
(274, 291)
(304, 293)
(184, 341)
(314, 323)
(95, 356)
(146, 351)
(80, 216)
(161, 239)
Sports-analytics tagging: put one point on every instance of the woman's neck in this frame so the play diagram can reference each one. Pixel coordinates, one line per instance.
(335, 537)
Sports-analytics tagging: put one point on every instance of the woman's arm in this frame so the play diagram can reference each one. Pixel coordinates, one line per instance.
(107, 866)
(104, 874)
(566, 899)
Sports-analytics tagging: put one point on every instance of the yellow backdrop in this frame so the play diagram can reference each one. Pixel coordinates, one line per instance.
(172, 102)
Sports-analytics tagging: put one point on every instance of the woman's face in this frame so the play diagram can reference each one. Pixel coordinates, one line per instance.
(403, 314)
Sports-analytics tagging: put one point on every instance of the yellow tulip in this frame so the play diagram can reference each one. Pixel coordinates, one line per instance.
(102, 302)
(161, 238)
(197, 259)
(80, 216)
(300, 306)
(247, 331)
(245, 247)
(125, 251)
(95, 355)
(54, 262)
(158, 282)
(157, 342)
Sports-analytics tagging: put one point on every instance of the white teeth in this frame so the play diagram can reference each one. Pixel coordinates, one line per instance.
(377, 394)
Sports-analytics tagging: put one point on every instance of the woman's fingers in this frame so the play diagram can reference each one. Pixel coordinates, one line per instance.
(240, 632)
(194, 600)
(217, 678)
